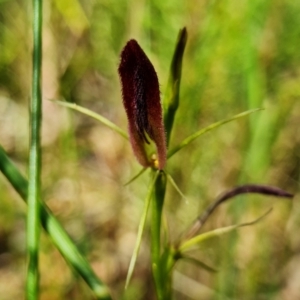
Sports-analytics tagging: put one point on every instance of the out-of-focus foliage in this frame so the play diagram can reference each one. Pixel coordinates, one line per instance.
(240, 55)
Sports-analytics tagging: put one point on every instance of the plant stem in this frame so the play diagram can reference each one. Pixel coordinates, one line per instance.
(34, 187)
(157, 207)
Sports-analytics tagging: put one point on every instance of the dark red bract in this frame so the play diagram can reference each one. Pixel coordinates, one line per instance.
(141, 99)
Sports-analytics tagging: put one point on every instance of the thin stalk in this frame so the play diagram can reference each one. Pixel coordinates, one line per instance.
(157, 207)
(34, 187)
(59, 236)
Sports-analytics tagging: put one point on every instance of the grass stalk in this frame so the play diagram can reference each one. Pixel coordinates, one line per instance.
(34, 186)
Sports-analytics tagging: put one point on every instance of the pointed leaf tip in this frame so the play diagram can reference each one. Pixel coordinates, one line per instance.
(141, 99)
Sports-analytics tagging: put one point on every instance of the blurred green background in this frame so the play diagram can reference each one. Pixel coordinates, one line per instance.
(239, 55)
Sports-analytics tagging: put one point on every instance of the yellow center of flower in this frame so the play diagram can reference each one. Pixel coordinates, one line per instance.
(154, 161)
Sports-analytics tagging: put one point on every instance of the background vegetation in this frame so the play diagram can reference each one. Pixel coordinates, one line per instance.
(240, 55)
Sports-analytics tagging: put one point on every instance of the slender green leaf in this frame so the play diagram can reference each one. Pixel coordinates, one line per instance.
(140, 230)
(192, 137)
(92, 114)
(60, 238)
(187, 245)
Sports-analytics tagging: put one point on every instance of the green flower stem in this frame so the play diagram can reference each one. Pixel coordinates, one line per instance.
(58, 235)
(157, 207)
(34, 186)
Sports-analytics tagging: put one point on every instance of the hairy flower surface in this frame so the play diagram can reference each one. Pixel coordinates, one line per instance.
(141, 99)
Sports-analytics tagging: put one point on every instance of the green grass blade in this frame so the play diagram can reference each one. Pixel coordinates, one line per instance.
(60, 238)
(92, 114)
(34, 185)
(187, 245)
(192, 137)
(140, 231)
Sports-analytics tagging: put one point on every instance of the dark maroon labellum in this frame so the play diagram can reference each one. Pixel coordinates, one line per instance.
(141, 99)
